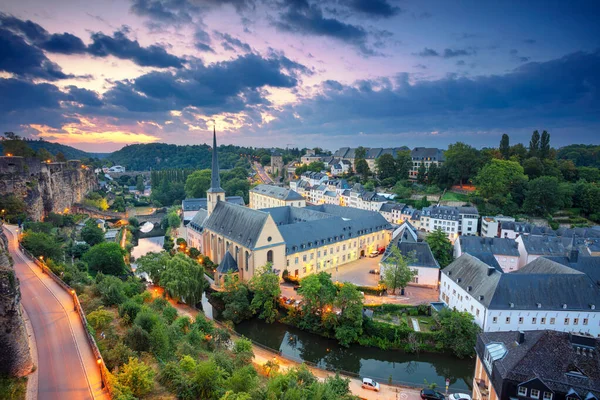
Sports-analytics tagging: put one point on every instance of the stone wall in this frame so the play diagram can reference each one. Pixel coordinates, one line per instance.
(45, 187)
(14, 344)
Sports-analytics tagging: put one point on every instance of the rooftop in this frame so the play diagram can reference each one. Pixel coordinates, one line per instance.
(195, 204)
(500, 246)
(277, 192)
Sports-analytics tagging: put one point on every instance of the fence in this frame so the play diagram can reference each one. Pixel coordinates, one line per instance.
(77, 307)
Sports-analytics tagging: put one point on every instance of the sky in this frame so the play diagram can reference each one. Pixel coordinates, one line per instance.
(300, 73)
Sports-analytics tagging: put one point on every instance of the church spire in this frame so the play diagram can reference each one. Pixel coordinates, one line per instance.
(215, 184)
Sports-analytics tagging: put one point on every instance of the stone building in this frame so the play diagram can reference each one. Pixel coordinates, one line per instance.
(266, 196)
(276, 163)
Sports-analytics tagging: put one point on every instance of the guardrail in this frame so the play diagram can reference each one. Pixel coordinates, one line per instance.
(76, 307)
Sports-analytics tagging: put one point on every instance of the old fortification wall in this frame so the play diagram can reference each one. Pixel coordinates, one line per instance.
(14, 344)
(45, 187)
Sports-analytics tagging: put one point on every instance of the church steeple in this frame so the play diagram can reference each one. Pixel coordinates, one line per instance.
(215, 193)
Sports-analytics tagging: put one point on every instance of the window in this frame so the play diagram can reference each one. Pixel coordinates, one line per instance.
(522, 391)
(585, 321)
(551, 321)
(520, 320)
(270, 256)
(495, 320)
(312, 255)
(296, 260)
(543, 321)
(535, 394)
(471, 308)
(533, 320)
(566, 321)
(508, 320)
(477, 312)
(547, 395)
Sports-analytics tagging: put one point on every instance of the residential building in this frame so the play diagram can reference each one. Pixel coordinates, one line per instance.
(310, 157)
(419, 255)
(266, 196)
(427, 156)
(534, 246)
(340, 167)
(392, 212)
(468, 220)
(512, 230)
(314, 178)
(490, 226)
(116, 168)
(505, 251)
(440, 217)
(540, 365)
(372, 154)
(541, 295)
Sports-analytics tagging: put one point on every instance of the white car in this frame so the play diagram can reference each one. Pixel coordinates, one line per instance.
(373, 254)
(459, 396)
(370, 384)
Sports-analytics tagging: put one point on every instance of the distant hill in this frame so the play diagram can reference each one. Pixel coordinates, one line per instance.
(71, 153)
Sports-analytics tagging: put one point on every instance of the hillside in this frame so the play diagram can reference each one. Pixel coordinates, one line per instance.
(71, 153)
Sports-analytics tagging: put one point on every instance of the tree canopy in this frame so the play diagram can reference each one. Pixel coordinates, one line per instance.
(395, 272)
(107, 258)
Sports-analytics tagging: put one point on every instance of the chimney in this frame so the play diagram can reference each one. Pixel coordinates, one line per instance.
(573, 255)
(521, 337)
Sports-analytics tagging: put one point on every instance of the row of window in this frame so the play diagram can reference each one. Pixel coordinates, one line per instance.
(534, 393)
(543, 320)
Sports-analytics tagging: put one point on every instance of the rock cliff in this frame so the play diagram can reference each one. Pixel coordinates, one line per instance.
(14, 344)
(45, 187)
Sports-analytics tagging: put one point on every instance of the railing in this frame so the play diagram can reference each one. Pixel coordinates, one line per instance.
(77, 307)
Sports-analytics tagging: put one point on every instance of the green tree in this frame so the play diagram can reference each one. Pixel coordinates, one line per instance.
(545, 195)
(118, 204)
(153, 264)
(349, 300)
(590, 174)
(173, 219)
(568, 170)
(422, 173)
(462, 162)
(139, 184)
(242, 350)
(440, 247)
(362, 168)
(534, 144)
(505, 146)
(198, 183)
(586, 196)
(317, 292)
(458, 332)
(44, 155)
(236, 298)
(43, 244)
(17, 147)
(545, 145)
(138, 376)
(106, 258)
(386, 166)
(500, 178)
(360, 152)
(265, 159)
(433, 174)
(92, 234)
(396, 273)
(403, 164)
(100, 319)
(401, 190)
(316, 166)
(184, 278)
(60, 157)
(265, 285)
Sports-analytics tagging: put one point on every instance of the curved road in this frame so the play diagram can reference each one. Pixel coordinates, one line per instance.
(66, 366)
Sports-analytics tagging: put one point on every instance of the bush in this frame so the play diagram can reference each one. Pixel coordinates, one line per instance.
(147, 319)
(129, 308)
(137, 338)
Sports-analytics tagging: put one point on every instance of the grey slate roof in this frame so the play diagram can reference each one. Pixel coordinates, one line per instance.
(526, 288)
(277, 192)
(419, 253)
(547, 356)
(441, 212)
(525, 228)
(195, 204)
(586, 264)
(227, 264)
(237, 223)
(421, 153)
(500, 246)
(468, 210)
(543, 245)
(197, 223)
(487, 258)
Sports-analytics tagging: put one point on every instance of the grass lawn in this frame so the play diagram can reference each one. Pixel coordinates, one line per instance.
(452, 196)
(13, 388)
(425, 323)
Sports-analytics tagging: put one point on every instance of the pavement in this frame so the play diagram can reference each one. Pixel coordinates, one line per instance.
(262, 356)
(262, 173)
(66, 366)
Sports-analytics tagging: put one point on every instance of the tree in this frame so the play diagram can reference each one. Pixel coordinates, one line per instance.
(184, 278)
(197, 183)
(362, 168)
(458, 332)
(505, 146)
(137, 376)
(545, 145)
(360, 152)
(462, 162)
(586, 196)
(92, 234)
(106, 258)
(235, 296)
(44, 155)
(499, 178)
(422, 173)
(534, 144)
(153, 264)
(60, 157)
(316, 166)
(401, 191)
(568, 170)
(403, 164)
(433, 174)
(17, 147)
(242, 349)
(396, 273)
(139, 184)
(440, 247)
(43, 244)
(386, 166)
(317, 291)
(545, 195)
(118, 204)
(265, 285)
(350, 302)
(173, 219)
(100, 319)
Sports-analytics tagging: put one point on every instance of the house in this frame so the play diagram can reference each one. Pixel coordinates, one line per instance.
(541, 295)
(468, 217)
(116, 168)
(534, 246)
(440, 217)
(490, 226)
(340, 167)
(392, 212)
(371, 155)
(540, 364)
(505, 251)
(512, 230)
(265, 196)
(427, 156)
(420, 259)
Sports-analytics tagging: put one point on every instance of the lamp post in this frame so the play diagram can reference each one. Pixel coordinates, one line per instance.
(42, 262)
(74, 301)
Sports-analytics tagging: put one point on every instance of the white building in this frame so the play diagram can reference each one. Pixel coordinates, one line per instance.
(541, 295)
(116, 168)
(534, 246)
(467, 221)
(513, 230)
(267, 196)
(505, 251)
(490, 226)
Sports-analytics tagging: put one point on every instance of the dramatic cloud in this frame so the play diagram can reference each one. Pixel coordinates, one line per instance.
(120, 46)
(447, 53)
(231, 43)
(63, 43)
(167, 11)
(376, 8)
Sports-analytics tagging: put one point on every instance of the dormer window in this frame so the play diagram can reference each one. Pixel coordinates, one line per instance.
(535, 394)
(522, 391)
(564, 306)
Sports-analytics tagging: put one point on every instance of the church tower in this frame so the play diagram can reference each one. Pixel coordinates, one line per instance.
(215, 193)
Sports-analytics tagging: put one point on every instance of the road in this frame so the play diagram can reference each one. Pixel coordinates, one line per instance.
(66, 367)
(262, 174)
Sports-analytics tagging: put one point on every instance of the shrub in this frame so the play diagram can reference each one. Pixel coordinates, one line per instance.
(137, 338)
(129, 308)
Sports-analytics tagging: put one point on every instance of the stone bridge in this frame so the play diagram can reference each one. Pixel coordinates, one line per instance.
(95, 213)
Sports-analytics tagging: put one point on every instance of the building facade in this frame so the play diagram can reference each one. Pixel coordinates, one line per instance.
(424, 155)
(266, 196)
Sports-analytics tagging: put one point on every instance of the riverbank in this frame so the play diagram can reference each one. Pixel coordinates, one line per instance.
(262, 355)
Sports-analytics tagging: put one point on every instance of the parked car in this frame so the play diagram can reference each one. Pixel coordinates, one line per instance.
(382, 250)
(430, 394)
(459, 396)
(370, 384)
(373, 254)
(289, 301)
(374, 271)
